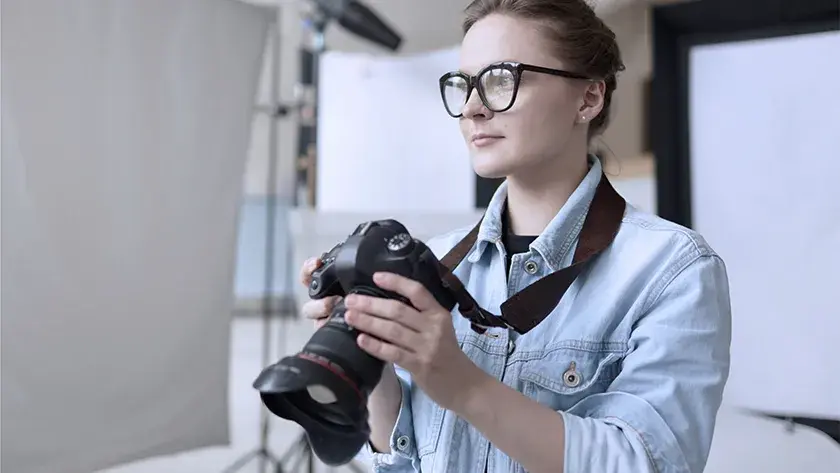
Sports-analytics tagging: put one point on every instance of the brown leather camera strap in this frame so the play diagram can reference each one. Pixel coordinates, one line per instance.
(530, 306)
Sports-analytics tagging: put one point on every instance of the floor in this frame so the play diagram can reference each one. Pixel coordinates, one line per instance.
(742, 444)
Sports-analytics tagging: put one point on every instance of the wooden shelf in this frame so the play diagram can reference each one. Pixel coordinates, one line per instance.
(630, 168)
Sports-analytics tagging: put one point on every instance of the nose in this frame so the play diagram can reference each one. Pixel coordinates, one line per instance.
(475, 108)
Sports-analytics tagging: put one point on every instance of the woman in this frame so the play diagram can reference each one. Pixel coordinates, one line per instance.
(627, 373)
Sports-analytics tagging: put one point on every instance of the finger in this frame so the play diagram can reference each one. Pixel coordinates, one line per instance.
(383, 329)
(386, 352)
(408, 288)
(320, 308)
(306, 270)
(388, 309)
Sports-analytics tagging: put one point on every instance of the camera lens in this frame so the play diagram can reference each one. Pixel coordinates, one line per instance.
(324, 388)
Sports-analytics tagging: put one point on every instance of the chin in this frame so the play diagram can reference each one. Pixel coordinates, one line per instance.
(491, 165)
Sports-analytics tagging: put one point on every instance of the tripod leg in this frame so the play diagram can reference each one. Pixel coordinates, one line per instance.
(238, 464)
(310, 460)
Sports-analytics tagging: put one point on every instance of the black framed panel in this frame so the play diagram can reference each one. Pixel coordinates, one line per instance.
(678, 27)
(676, 30)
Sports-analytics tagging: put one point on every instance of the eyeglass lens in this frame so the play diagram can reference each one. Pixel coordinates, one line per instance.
(496, 88)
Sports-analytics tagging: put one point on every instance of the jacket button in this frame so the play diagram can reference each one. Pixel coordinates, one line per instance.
(531, 267)
(511, 346)
(571, 378)
(402, 443)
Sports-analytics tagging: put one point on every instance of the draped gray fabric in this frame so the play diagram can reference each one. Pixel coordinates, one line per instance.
(125, 128)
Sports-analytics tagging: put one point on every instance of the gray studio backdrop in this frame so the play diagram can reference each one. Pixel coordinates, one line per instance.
(125, 130)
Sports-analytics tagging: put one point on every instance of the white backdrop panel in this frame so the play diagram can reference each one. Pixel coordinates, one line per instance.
(765, 170)
(125, 129)
(385, 142)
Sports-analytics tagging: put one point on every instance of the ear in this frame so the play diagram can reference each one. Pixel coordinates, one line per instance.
(592, 101)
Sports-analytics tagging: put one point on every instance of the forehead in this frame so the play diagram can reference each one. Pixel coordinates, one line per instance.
(498, 37)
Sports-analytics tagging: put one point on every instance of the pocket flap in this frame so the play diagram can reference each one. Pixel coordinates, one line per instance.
(571, 371)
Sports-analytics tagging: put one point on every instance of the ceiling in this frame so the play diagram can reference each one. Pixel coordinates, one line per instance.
(424, 24)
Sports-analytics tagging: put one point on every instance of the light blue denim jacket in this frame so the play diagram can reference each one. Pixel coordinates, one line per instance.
(635, 356)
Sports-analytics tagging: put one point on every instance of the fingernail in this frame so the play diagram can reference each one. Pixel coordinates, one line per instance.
(351, 300)
(379, 277)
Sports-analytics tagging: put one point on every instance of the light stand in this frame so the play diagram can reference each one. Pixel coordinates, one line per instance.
(363, 22)
(313, 47)
(262, 453)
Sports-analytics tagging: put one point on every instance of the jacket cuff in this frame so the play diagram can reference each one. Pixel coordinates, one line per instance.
(402, 444)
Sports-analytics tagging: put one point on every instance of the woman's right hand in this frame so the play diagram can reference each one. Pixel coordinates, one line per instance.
(316, 309)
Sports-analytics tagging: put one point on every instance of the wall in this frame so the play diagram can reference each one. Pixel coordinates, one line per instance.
(625, 136)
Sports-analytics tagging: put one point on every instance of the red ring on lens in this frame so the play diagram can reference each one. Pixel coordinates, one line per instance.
(332, 369)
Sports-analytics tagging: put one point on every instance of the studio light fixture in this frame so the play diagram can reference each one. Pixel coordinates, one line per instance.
(360, 20)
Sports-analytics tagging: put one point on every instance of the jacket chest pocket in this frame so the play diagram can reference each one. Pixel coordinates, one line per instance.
(565, 377)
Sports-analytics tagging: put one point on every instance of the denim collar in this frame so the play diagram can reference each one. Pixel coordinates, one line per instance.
(559, 237)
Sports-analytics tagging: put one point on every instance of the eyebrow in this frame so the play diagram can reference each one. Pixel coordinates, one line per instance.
(487, 64)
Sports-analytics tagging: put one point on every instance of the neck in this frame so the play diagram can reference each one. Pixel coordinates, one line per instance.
(533, 200)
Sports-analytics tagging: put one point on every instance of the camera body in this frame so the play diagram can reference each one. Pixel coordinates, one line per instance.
(324, 387)
(378, 246)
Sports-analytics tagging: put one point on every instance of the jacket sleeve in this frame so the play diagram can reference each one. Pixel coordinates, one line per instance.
(659, 414)
(403, 457)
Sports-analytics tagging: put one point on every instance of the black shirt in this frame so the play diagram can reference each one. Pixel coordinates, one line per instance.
(513, 243)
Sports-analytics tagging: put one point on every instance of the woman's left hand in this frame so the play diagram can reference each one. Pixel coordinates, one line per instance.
(420, 339)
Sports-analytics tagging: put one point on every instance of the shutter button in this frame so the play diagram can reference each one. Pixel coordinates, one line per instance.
(531, 267)
(571, 378)
(402, 443)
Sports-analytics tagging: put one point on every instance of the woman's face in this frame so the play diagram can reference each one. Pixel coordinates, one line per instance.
(544, 119)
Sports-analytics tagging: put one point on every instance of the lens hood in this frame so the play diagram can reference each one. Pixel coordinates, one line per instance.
(336, 431)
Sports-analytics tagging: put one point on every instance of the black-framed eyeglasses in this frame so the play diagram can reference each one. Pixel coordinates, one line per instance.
(497, 85)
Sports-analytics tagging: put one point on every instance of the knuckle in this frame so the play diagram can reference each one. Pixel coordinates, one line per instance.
(399, 311)
(392, 331)
(396, 310)
(425, 361)
(361, 302)
(309, 309)
(392, 353)
(324, 305)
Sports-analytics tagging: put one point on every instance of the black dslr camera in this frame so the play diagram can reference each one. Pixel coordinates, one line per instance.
(324, 388)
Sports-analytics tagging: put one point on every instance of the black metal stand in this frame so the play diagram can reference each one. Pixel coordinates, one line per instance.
(308, 82)
(829, 427)
(262, 453)
(300, 451)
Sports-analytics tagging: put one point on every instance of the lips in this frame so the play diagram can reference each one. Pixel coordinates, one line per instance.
(484, 139)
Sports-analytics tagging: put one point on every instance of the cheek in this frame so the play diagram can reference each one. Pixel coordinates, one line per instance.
(543, 122)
